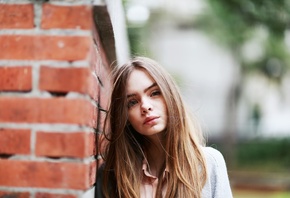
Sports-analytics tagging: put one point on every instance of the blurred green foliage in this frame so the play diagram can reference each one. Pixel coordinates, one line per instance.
(137, 35)
(264, 154)
(259, 194)
(138, 40)
(232, 23)
(135, 38)
(254, 33)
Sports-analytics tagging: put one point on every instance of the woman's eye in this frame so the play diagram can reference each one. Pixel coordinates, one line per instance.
(156, 93)
(131, 103)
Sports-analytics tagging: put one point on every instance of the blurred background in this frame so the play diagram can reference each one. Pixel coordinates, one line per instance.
(231, 60)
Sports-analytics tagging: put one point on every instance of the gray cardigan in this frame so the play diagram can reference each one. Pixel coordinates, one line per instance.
(217, 184)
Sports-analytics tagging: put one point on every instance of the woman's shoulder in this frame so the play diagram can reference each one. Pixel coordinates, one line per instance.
(215, 164)
(217, 184)
(213, 156)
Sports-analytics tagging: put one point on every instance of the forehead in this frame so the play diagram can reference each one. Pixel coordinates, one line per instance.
(138, 80)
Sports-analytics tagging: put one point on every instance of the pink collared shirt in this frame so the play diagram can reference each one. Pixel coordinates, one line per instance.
(217, 184)
(149, 183)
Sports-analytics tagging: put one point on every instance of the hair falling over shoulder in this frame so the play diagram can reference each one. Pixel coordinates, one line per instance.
(124, 149)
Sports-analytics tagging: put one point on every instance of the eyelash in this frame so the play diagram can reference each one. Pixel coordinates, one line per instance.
(132, 102)
(155, 93)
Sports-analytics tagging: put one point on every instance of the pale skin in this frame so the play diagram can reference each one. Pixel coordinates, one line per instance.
(147, 113)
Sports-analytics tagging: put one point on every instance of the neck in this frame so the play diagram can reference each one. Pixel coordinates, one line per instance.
(155, 155)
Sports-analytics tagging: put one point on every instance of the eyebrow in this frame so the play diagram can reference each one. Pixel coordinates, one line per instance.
(145, 90)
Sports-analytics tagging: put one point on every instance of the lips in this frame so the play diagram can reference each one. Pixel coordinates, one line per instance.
(150, 119)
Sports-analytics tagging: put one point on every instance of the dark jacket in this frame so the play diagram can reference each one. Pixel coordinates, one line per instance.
(98, 188)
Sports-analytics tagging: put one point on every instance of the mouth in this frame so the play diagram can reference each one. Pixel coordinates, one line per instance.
(150, 120)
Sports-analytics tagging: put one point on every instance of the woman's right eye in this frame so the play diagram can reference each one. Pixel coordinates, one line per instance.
(131, 103)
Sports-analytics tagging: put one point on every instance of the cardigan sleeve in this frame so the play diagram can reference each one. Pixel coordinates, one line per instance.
(217, 184)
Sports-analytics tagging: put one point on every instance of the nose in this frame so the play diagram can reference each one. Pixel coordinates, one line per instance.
(146, 106)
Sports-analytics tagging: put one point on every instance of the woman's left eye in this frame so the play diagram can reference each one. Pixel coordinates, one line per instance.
(156, 93)
(131, 103)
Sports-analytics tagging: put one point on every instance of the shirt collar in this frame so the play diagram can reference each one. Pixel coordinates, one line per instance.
(145, 169)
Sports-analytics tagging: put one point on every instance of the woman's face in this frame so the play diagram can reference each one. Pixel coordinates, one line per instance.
(147, 111)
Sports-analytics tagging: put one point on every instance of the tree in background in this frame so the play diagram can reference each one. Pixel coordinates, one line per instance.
(240, 25)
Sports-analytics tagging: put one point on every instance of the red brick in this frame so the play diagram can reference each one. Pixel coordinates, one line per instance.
(14, 141)
(94, 82)
(93, 58)
(91, 144)
(16, 78)
(100, 162)
(6, 194)
(16, 16)
(96, 36)
(64, 79)
(94, 87)
(40, 47)
(104, 74)
(99, 47)
(94, 116)
(47, 110)
(66, 17)
(93, 169)
(50, 195)
(102, 143)
(99, 63)
(101, 120)
(104, 57)
(63, 175)
(54, 144)
(104, 99)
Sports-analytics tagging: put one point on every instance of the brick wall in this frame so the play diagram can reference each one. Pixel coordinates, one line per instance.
(54, 87)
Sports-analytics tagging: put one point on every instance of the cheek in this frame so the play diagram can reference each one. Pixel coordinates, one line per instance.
(164, 108)
(132, 116)
(134, 123)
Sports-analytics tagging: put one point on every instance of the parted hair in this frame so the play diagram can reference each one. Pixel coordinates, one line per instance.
(124, 151)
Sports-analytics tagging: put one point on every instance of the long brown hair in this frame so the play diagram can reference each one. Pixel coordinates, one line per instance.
(124, 151)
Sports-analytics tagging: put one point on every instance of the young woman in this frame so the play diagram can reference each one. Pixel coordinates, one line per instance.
(154, 149)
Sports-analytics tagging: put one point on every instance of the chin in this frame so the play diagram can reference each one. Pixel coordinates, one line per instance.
(157, 130)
